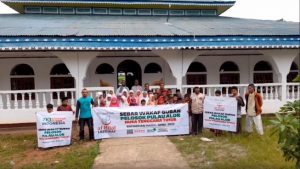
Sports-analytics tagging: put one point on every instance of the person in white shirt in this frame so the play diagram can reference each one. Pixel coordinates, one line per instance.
(196, 109)
(136, 86)
(122, 88)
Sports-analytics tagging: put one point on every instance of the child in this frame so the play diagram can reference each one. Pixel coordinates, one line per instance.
(49, 108)
(65, 105)
(240, 104)
(114, 102)
(217, 132)
(143, 102)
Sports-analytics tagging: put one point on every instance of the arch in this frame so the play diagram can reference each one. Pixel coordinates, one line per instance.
(22, 69)
(129, 70)
(229, 66)
(196, 74)
(263, 66)
(104, 68)
(152, 68)
(229, 73)
(263, 72)
(60, 69)
(294, 72)
(196, 67)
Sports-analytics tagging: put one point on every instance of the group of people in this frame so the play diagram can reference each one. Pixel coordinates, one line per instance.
(142, 96)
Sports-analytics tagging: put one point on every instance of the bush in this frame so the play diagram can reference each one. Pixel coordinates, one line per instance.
(297, 79)
(288, 128)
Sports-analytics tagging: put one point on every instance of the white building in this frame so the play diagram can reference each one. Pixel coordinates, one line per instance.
(56, 48)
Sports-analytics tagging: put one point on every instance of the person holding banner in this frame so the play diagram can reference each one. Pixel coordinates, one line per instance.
(240, 104)
(65, 105)
(196, 109)
(253, 110)
(83, 109)
(49, 108)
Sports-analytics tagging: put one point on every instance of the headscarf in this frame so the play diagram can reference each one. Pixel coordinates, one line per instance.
(132, 101)
(152, 101)
(108, 101)
(145, 98)
(116, 104)
(138, 97)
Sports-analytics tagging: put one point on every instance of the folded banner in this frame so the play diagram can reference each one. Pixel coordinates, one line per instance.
(54, 129)
(137, 121)
(220, 113)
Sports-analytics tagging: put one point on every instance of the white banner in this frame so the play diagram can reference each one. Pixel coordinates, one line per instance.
(220, 113)
(54, 129)
(137, 121)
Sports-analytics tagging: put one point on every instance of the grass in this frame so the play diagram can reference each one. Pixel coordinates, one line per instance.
(20, 151)
(245, 151)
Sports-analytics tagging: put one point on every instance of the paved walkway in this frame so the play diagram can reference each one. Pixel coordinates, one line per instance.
(139, 153)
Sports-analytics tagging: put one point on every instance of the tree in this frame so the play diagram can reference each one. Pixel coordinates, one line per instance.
(287, 125)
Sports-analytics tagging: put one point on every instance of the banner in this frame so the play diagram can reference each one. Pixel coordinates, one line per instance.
(54, 129)
(137, 121)
(220, 113)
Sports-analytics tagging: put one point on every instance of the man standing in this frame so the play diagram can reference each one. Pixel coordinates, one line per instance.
(146, 87)
(240, 104)
(136, 86)
(253, 108)
(83, 107)
(196, 109)
(122, 88)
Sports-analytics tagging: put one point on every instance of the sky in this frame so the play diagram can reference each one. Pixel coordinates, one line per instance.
(255, 9)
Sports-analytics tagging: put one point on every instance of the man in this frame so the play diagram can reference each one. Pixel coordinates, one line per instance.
(253, 109)
(161, 94)
(240, 104)
(49, 108)
(65, 105)
(146, 87)
(122, 88)
(136, 86)
(196, 109)
(83, 109)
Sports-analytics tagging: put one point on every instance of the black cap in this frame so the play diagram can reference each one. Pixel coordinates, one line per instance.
(49, 106)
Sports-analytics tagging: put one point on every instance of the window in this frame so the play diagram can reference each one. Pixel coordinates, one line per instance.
(294, 71)
(153, 68)
(104, 68)
(263, 72)
(22, 78)
(229, 73)
(60, 78)
(196, 74)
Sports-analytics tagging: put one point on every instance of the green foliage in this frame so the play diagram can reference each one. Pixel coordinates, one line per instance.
(288, 128)
(297, 79)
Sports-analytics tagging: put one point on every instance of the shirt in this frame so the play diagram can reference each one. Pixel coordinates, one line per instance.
(197, 103)
(136, 88)
(251, 105)
(64, 108)
(84, 105)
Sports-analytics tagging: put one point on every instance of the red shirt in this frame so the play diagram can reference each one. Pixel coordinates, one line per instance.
(161, 96)
(64, 108)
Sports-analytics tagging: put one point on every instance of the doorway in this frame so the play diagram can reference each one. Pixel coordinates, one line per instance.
(129, 70)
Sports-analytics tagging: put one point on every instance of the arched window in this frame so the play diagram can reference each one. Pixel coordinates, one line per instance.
(294, 71)
(196, 74)
(60, 69)
(152, 68)
(60, 78)
(229, 73)
(104, 68)
(22, 78)
(263, 72)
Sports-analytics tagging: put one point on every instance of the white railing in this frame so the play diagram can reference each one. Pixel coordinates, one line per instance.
(269, 91)
(30, 99)
(293, 91)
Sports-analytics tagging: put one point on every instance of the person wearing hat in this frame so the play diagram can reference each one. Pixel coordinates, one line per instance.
(99, 100)
(65, 106)
(108, 100)
(122, 87)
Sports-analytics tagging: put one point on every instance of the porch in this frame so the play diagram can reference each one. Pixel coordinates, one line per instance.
(20, 106)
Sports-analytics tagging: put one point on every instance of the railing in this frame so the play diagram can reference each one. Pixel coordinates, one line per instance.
(268, 91)
(29, 99)
(293, 91)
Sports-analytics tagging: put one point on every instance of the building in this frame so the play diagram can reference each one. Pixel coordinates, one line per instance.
(57, 47)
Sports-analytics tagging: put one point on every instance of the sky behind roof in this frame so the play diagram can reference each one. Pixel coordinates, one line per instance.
(255, 9)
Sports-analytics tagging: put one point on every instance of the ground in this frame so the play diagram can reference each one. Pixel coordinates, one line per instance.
(19, 150)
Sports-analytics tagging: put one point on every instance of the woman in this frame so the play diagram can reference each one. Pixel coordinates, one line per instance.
(145, 97)
(138, 97)
(114, 102)
(152, 101)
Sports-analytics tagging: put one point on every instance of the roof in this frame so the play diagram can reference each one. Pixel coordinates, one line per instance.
(89, 25)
